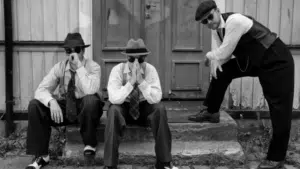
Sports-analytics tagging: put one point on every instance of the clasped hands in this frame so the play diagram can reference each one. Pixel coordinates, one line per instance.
(136, 75)
(214, 64)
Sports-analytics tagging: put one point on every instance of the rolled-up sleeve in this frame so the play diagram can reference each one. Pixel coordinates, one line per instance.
(48, 85)
(117, 93)
(89, 79)
(150, 87)
(236, 26)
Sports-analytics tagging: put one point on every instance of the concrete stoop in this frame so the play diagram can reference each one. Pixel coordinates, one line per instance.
(192, 143)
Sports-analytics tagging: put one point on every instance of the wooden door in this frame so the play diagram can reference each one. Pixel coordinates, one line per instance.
(168, 28)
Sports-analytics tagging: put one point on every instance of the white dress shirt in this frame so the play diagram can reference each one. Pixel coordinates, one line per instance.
(150, 87)
(87, 81)
(235, 26)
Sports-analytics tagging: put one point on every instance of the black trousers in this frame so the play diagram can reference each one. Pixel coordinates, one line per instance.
(89, 110)
(276, 76)
(153, 115)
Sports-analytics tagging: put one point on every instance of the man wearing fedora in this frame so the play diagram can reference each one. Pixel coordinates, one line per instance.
(134, 93)
(77, 102)
(258, 53)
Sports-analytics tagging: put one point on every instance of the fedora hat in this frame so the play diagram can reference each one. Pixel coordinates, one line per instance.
(74, 40)
(135, 48)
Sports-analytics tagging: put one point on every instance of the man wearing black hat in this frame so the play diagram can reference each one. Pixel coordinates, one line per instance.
(134, 92)
(258, 53)
(78, 81)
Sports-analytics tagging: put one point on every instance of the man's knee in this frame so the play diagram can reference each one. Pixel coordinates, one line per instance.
(91, 100)
(33, 108)
(160, 108)
(114, 111)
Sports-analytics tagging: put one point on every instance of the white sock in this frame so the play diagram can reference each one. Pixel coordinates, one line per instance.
(46, 158)
(89, 148)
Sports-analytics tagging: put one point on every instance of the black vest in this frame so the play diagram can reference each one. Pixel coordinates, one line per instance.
(253, 44)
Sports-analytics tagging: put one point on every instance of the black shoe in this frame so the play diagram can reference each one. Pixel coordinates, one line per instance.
(205, 116)
(39, 161)
(267, 164)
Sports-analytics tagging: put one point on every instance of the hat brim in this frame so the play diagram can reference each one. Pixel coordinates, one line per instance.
(204, 16)
(135, 54)
(71, 46)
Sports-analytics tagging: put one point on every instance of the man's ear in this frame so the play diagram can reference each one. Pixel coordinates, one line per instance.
(218, 10)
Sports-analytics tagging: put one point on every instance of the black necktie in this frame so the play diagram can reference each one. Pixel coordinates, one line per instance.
(134, 102)
(71, 109)
(221, 32)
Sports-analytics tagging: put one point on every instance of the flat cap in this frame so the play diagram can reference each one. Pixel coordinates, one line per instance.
(204, 8)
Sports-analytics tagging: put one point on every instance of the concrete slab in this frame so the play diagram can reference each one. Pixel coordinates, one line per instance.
(182, 130)
(183, 152)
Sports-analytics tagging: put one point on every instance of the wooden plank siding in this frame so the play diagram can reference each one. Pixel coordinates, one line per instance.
(35, 20)
(280, 17)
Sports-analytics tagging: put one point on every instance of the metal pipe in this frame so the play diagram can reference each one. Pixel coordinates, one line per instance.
(9, 127)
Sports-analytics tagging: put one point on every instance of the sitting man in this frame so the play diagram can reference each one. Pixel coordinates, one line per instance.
(134, 92)
(77, 101)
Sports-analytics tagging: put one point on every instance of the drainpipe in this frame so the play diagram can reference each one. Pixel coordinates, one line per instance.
(8, 67)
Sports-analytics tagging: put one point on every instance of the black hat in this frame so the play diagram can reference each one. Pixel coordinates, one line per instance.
(136, 48)
(74, 40)
(204, 8)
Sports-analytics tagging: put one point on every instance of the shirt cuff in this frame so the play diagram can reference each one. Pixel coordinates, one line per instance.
(81, 71)
(128, 86)
(143, 86)
(47, 100)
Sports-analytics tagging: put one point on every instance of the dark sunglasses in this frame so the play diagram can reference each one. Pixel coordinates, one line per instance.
(141, 59)
(72, 50)
(209, 17)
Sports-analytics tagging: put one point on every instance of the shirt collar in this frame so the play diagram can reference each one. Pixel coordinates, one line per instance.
(127, 70)
(68, 67)
(222, 24)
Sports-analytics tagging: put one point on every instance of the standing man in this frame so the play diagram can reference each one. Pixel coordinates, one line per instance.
(134, 92)
(78, 80)
(258, 52)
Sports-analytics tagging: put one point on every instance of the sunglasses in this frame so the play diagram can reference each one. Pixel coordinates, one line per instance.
(140, 59)
(72, 50)
(209, 17)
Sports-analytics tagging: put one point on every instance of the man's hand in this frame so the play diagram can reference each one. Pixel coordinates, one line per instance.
(139, 74)
(215, 64)
(56, 113)
(74, 59)
(133, 77)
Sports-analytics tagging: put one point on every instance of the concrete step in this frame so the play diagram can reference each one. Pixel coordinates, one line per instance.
(183, 153)
(181, 128)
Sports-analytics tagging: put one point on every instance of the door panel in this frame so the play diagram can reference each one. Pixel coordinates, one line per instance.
(175, 40)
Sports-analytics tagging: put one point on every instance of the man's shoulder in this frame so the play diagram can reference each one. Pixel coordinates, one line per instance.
(150, 66)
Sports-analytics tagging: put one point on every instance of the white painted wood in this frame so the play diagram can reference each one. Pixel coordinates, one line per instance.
(26, 79)
(296, 23)
(62, 19)
(286, 20)
(2, 81)
(297, 82)
(50, 20)
(36, 15)
(2, 20)
(85, 25)
(238, 6)
(15, 19)
(37, 69)
(50, 61)
(274, 13)
(16, 81)
(24, 31)
(74, 15)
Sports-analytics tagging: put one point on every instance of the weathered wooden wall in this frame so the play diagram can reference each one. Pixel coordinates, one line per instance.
(35, 20)
(282, 17)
